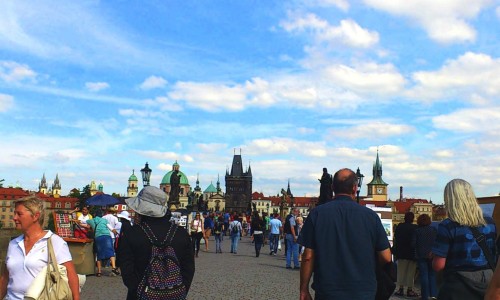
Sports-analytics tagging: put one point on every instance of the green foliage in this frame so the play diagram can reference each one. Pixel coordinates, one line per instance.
(84, 195)
(51, 226)
(74, 193)
(117, 196)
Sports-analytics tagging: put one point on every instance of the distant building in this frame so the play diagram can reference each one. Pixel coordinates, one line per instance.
(377, 188)
(238, 187)
(54, 190)
(214, 197)
(52, 204)
(132, 188)
(96, 189)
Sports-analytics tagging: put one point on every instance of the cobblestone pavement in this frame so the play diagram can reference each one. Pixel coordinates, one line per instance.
(220, 276)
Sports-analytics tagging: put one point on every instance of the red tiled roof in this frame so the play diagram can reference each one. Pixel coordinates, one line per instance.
(404, 206)
(12, 193)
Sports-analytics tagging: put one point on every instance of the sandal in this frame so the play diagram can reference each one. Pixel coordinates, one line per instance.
(400, 293)
(98, 274)
(115, 271)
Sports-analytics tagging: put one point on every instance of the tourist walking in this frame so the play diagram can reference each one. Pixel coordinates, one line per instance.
(464, 260)
(218, 234)
(28, 253)
(235, 229)
(343, 242)
(257, 232)
(404, 251)
(103, 244)
(156, 233)
(425, 235)
(291, 235)
(196, 232)
(276, 227)
(208, 225)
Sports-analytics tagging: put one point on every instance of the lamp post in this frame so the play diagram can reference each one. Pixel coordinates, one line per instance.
(360, 183)
(267, 205)
(146, 174)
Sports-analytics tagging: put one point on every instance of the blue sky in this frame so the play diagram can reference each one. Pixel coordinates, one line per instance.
(91, 90)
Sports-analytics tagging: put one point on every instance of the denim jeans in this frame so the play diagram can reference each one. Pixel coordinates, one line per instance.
(427, 278)
(292, 250)
(218, 240)
(235, 238)
(273, 242)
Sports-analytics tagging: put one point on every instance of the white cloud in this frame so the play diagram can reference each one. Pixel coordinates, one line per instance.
(96, 86)
(278, 146)
(6, 102)
(375, 130)
(444, 154)
(472, 76)
(153, 82)
(470, 120)
(216, 97)
(13, 72)
(348, 33)
(367, 78)
(444, 21)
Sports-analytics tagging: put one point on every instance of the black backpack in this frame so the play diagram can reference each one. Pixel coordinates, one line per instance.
(162, 278)
(235, 230)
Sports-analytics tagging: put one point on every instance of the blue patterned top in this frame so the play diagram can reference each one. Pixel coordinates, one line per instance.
(457, 244)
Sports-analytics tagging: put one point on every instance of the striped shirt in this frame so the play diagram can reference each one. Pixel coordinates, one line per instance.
(457, 244)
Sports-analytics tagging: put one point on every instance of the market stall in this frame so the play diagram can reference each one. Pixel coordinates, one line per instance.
(80, 248)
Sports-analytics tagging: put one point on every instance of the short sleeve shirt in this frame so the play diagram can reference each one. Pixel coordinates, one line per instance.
(23, 267)
(80, 217)
(345, 237)
(275, 225)
(457, 244)
(99, 225)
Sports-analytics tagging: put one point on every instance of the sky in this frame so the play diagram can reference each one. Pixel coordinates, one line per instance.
(92, 90)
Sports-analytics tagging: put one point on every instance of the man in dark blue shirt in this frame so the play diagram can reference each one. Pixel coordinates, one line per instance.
(343, 243)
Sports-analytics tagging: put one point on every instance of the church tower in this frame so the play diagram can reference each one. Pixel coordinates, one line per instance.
(42, 187)
(238, 187)
(56, 187)
(132, 188)
(93, 188)
(377, 188)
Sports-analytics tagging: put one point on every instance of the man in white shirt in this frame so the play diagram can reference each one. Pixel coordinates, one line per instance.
(112, 222)
(275, 227)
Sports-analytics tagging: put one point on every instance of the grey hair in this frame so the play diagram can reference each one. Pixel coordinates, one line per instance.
(33, 204)
(461, 204)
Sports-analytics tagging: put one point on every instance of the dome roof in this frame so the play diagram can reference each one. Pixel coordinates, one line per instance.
(210, 189)
(132, 177)
(166, 178)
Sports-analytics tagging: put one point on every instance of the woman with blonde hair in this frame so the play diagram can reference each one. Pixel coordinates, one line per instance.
(456, 250)
(28, 254)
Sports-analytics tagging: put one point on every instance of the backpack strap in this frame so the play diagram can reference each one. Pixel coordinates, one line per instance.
(170, 235)
(152, 237)
(481, 241)
(149, 233)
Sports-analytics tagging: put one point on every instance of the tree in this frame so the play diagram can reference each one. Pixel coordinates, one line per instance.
(84, 195)
(74, 193)
(117, 196)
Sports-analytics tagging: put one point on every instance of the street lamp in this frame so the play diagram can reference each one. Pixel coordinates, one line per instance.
(267, 205)
(360, 183)
(146, 174)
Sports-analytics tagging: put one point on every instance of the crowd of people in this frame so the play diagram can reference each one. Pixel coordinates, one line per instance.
(341, 245)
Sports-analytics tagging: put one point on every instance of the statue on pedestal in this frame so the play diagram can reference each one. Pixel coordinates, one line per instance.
(325, 189)
(175, 189)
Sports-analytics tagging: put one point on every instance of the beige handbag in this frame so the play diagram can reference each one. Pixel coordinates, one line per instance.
(52, 281)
